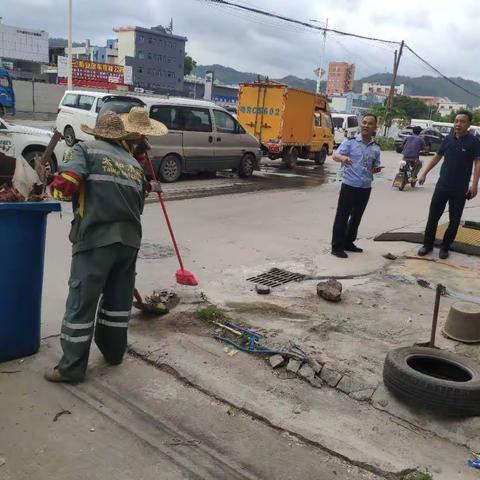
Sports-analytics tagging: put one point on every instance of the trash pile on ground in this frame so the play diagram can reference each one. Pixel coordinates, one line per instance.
(27, 184)
(158, 303)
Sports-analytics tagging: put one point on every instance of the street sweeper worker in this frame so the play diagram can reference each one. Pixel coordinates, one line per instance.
(138, 121)
(107, 188)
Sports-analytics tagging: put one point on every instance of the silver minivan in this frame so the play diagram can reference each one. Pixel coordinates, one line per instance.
(202, 137)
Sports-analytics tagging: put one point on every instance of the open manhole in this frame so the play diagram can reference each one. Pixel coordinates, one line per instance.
(153, 251)
(275, 277)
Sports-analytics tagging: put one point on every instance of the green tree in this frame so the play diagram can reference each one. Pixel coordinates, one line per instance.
(412, 107)
(189, 65)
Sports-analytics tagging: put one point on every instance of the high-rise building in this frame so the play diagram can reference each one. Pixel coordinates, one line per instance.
(156, 56)
(340, 78)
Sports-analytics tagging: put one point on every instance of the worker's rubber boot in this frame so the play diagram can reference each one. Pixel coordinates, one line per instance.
(54, 375)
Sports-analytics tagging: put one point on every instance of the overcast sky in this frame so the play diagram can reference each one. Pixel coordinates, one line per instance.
(444, 32)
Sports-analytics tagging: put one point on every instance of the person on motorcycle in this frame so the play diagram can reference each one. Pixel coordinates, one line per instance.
(412, 146)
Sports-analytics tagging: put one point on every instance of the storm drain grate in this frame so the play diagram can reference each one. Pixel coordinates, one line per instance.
(276, 277)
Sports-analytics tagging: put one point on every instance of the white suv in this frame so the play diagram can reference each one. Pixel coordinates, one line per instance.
(77, 107)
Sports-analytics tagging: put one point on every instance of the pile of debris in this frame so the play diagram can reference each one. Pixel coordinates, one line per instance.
(26, 184)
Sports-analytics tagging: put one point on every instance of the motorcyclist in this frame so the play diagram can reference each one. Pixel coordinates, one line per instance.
(412, 146)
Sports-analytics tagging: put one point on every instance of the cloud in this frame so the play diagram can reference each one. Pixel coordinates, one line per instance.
(441, 32)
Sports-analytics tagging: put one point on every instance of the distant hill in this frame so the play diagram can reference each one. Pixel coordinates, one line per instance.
(231, 76)
(428, 85)
(425, 85)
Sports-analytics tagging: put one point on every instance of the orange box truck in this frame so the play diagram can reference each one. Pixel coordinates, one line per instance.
(289, 122)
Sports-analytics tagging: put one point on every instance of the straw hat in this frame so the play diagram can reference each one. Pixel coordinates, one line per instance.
(138, 121)
(109, 126)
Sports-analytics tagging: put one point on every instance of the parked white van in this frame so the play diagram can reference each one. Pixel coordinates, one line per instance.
(77, 107)
(345, 126)
(202, 136)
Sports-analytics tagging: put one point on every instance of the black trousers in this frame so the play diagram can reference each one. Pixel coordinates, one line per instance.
(351, 205)
(439, 201)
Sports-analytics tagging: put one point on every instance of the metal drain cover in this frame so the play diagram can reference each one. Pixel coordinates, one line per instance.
(152, 251)
(275, 277)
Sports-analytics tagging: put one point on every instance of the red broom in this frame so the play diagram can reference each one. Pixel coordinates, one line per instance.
(184, 277)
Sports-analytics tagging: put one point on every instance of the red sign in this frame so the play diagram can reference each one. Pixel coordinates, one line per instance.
(95, 75)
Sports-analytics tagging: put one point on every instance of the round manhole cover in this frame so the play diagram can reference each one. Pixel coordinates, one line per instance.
(152, 251)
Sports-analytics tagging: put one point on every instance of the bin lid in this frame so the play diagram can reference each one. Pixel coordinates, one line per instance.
(46, 206)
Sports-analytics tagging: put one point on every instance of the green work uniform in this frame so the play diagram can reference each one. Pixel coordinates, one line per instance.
(106, 234)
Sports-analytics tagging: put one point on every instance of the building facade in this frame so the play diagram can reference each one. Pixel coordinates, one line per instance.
(156, 56)
(378, 89)
(340, 78)
(355, 103)
(445, 107)
(23, 51)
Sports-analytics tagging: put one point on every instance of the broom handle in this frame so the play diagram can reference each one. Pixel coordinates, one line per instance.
(162, 203)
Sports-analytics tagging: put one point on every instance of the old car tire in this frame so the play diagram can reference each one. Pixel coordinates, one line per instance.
(31, 155)
(246, 167)
(441, 381)
(290, 158)
(170, 169)
(69, 136)
(321, 156)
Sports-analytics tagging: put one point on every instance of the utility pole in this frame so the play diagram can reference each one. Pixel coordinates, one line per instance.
(391, 93)
(69, 67)
(320, 70)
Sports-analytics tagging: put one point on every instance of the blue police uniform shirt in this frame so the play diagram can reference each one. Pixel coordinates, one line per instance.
(459, 155)
(364, 158)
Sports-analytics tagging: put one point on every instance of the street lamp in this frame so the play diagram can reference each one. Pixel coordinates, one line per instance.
(69, 64)
(320, 70)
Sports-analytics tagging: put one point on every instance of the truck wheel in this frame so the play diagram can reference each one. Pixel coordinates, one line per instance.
(170, 169)
(434, 379)
(290, 158)
(246, 167)
(69, 136)
(321, 156)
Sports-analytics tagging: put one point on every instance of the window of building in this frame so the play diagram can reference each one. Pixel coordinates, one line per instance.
(150, 40)
(140, 70)
(141, 55)
(149, 56)
(141, 38)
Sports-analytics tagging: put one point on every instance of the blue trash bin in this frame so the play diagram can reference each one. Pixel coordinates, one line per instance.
(23, 227)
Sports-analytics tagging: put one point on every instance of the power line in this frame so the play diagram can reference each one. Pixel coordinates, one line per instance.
(440, 73)
(307, 25)
(299, 22)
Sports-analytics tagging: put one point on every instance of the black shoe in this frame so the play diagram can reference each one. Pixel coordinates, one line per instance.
(423, 251)
(339, 253)
(353, 248)
(443, 254)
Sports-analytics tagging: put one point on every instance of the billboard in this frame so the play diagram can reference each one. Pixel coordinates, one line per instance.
(86, 73)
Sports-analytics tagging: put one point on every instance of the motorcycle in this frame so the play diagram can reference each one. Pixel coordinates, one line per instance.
(407, 173)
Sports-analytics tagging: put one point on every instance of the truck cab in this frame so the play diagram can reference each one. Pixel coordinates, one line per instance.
(7, 95)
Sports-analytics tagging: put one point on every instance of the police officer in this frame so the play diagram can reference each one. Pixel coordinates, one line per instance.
(107, 187)
(360, 159)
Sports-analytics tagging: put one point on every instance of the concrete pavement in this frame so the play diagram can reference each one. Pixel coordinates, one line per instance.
(226, 239)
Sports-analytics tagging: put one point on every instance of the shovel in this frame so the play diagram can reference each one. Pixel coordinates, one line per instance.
(439, 292)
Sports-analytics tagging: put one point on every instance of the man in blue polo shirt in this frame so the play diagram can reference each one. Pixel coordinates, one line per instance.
(360, 159)
(461, 151)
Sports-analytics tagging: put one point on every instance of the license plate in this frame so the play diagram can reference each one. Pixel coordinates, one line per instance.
(398, 180)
